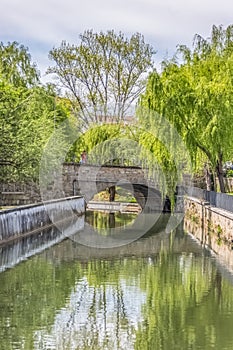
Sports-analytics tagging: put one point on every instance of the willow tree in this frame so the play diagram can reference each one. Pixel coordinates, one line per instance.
(130, 145)
(103, 74)
(196, 96)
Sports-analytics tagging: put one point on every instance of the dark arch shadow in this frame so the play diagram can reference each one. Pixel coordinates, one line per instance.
(148, 198)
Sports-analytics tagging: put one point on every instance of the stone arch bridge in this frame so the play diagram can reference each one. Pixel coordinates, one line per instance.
(87, 180)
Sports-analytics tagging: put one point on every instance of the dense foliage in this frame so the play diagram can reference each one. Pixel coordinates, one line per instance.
(184, 113)
(196, 97)
(29, 112)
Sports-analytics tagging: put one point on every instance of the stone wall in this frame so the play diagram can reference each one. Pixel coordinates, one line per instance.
(212, 226)
(97, 178)
(14, 194)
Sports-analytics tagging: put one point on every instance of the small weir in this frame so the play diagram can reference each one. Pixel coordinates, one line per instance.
(21, 249)
(23, 220)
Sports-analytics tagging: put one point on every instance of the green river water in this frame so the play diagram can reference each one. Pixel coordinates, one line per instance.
(162, 291)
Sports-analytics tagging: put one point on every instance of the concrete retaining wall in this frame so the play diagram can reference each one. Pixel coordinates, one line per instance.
(21, 220)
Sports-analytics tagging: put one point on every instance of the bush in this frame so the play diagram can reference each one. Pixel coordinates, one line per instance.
(229, 173)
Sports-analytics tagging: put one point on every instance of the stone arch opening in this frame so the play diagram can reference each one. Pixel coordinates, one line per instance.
(149, 199)
(89, 180)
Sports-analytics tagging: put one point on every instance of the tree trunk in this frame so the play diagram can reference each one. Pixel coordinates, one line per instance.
(112, 192)
(219, 171)
(209, 178)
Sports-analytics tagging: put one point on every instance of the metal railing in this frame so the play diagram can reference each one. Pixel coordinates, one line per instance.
(216, 199)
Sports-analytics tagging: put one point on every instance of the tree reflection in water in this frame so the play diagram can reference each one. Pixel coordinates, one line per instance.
(104, 221)
(160, 292)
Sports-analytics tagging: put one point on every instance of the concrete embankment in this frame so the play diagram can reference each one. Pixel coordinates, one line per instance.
(23, 220)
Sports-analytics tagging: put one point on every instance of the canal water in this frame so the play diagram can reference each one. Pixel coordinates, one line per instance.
(160, 292)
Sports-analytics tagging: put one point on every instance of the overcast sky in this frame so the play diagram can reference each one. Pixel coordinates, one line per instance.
(43, 24)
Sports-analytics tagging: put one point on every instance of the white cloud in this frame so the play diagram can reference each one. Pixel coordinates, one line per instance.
(40, 25)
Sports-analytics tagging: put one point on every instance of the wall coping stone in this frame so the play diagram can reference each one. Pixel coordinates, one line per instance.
(34, 205)
(216, 210)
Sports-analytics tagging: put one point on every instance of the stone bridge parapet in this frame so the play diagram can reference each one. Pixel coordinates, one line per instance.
(87, 180)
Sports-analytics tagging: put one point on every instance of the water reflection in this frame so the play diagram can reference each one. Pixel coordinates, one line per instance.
(104, 221)
(160, 292)
(113, 230)
(87, 230)
(96, 317)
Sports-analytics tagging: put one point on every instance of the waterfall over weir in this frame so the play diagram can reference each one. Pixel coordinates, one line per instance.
(22, 220)
(13, 253)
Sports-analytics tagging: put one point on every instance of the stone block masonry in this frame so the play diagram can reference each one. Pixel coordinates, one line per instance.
(14, 194)
(212, 226)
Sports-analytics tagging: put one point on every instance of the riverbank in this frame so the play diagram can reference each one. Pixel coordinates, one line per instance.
(211, 226)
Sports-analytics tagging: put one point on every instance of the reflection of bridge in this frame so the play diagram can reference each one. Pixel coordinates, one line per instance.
(88, 180)
(155, 241)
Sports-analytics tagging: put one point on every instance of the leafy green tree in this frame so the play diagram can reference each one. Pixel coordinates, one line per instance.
(196, 97)
(29, 113)
(16, 66)
(104, 74)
